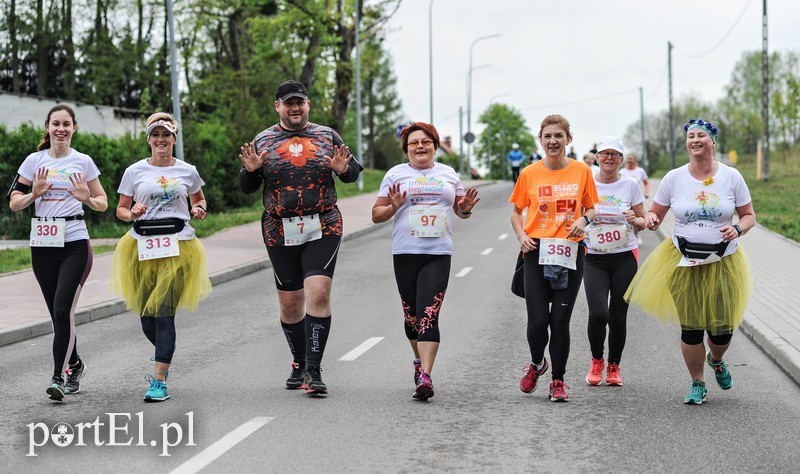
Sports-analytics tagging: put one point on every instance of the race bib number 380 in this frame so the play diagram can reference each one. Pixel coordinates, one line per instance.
(158, 246)
(561, 252)
(609, 237)
(47, 232)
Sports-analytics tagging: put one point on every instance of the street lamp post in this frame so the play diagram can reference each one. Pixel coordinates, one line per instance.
(469, 92)
(430, 54)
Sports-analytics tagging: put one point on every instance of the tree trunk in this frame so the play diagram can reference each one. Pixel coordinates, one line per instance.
(69, 51)
(12, 30)
(343, 76)
(312, 55)
(41, 51)
(234, 24)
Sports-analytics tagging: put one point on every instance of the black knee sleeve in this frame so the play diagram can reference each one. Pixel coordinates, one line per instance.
(720, 339)
(692, 337)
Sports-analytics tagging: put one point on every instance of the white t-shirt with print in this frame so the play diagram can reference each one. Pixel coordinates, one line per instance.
(434, 189)
(615, 198)
(702, 210)
(638, 174)
(57, 202)
(164, 190)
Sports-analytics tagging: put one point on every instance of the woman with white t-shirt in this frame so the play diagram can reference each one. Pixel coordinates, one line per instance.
(60, 180)
(160, 264)
(421, 196)
(611, 260)
(701, 277)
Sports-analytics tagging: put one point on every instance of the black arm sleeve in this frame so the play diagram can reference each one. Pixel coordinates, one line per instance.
(249, 182)
(17, 186)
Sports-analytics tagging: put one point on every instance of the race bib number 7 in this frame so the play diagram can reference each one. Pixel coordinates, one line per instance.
(301, 229)
(561, 252)
(47, 232)
(158, 246)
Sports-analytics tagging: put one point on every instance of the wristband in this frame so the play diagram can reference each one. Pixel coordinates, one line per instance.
(201, 207)
(466, 213)
(738, 229)
(587, 220)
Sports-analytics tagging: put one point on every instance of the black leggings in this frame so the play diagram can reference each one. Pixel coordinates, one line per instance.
(291, 265)
(608, 274)
(161, 332)
(422, 282)
(61, 273)
(550, 308)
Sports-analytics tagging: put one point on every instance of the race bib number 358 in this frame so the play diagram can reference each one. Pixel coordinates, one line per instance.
(561, 252)
(158, 246)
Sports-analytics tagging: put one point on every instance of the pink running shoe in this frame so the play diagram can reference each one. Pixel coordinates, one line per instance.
(613, 375)
(558, 391)
(424, 389)
(531, 377)
(595, 375)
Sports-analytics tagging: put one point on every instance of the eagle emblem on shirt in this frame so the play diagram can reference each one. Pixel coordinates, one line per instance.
(297, 150)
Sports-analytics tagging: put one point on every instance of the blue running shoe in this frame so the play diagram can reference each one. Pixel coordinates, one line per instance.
(697, 394)
(74, 377)
(157, 392)
(721, 372)
(56, 388)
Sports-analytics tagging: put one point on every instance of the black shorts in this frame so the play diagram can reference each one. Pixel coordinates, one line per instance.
(293, 264)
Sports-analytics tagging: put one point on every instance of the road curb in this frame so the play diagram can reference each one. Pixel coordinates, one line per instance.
(116, 306)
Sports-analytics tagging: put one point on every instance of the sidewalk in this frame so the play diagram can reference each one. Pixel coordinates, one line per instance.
(230, 254)
(772, 320)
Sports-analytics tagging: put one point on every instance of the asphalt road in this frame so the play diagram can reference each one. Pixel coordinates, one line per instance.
(231, 363)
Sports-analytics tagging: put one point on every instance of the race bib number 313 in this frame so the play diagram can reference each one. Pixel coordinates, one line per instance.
(561, 252)
(47, 232)
(158, 246)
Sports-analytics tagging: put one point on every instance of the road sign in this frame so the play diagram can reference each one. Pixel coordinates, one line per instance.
(469, 137)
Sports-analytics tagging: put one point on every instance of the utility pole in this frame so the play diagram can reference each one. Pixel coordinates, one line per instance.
(173, 75)
(461, 140)
(764, 95)
(645, 164)
(430, 54)
(358, 96)
(671, 113)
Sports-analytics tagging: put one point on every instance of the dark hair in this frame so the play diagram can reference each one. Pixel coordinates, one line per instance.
(45, 143)
(555, 119)
(426, 128)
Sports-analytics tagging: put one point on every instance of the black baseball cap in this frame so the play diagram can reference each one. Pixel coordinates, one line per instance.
(291, 88)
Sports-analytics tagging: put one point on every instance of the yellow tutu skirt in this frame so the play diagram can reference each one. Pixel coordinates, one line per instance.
(151, 286)
(709, 297)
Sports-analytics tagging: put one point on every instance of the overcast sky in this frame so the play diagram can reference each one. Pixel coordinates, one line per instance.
(555, 53)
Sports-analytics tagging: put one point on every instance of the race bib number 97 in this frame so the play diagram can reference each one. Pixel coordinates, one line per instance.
(158, 246)
(426, 222)
(561, 252)
(47, 232)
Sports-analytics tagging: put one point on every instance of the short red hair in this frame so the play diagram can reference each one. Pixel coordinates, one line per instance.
(426, 128)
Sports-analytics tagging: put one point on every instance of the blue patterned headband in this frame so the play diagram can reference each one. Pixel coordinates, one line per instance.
(705, 125)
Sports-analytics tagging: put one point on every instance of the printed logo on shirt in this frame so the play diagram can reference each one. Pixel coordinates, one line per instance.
(297, 150)
(708, 209)
(163, 194)
(60, 183)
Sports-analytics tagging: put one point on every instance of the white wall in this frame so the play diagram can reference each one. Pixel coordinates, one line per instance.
(16, 109)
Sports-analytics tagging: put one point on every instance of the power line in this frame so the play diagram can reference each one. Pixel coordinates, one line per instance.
(581, 101)
(695, 56)
(660, 80)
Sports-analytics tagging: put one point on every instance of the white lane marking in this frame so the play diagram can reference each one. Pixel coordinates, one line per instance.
(502, 237)
(362, 348)
(208, 455)
(487, 251)
(463, 272)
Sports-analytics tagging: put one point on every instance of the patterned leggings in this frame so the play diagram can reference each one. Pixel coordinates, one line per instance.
(422, 282)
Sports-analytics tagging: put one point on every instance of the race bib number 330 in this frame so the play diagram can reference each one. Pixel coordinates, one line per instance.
(47, 232)
(158, 246)
(561, 252)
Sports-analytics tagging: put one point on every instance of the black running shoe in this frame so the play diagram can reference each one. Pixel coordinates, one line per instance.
(314, 383)
(296, 378)
(56, 388)
(74, 377)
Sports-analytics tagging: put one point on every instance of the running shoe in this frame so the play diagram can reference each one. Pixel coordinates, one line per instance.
(697, 394)
(296, 378)
(613, 375)
(157, 392)
(531, 376)
(595, 375)
(721, 372)
(558, 391)
(74, 377)
(313, 381)
(417, 371)
(424, 389)
(56, 388)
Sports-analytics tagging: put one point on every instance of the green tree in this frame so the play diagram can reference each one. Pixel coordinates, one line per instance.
(504, 126)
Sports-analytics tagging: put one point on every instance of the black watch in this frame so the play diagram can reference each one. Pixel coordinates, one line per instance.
(587, 220)
(738, 229)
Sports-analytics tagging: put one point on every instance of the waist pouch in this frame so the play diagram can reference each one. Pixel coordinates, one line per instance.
(700, 251)
(172, 225)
